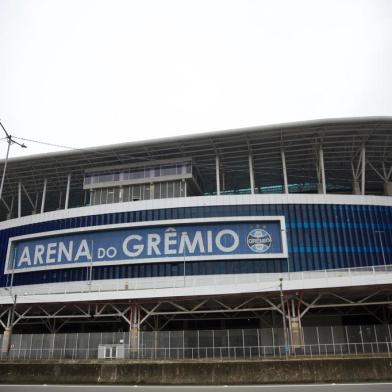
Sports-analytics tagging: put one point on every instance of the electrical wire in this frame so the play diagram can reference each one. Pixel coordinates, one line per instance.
(47, 144)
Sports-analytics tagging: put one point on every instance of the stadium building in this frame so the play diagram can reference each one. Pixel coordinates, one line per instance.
(279, 225)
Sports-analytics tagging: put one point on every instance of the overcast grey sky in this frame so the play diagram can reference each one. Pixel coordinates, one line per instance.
(87, 72)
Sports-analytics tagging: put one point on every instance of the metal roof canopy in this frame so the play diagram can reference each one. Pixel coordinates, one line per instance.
(341, 140)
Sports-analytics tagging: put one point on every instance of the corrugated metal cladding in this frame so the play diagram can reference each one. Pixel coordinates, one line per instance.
(325, 236)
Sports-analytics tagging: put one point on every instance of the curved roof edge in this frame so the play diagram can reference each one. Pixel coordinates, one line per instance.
(208, 134)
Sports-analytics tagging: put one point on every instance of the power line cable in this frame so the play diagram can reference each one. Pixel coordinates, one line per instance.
(48, 144)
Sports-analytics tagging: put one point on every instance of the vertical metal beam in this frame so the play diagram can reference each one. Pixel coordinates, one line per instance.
(322, 171)
(11, 208)
(251, 175)
(19, 199)
(363, 170)
(60, 200)
(44, 195)
(67, 192)
(285, 182)
(217, 164)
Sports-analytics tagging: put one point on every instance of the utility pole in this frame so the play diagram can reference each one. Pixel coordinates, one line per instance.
(10, 141)
(286, 346)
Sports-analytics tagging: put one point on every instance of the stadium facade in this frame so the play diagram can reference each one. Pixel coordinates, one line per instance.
(279, 225)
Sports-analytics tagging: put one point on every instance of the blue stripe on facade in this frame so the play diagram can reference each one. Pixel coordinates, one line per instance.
(319, 237)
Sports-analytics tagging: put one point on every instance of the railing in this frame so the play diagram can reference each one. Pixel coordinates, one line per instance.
(193, 281)
(249, 344)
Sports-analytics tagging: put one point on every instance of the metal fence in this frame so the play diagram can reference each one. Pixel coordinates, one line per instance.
(190, 281)
(203, 344)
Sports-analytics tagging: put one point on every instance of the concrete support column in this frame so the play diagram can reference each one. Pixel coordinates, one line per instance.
(363, 170)
(19, 199)
(6, 341)
(358, 170)
(295, 324)
(7, 335)
(134, 327)
(67, 192)
(44, 196)
(9, 214)
(356, 188)
(217, 172)
(322, 187)
(388, 188)
(285, 181)
(251, 175)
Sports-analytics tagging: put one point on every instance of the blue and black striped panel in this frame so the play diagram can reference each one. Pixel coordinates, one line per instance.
(319, 237)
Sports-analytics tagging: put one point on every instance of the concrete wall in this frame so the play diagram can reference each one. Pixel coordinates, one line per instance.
(233, 372)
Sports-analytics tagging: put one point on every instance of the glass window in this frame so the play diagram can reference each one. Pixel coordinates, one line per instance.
(152, 191)
(168, 170)
(157, 190)
(136, 192)
(92, 198)
(183, 188)
(124, 175)
(110, 195)
(116, 196)
(125, 193)
(178, 192)
(170, 189)
(147, 192)
(163, 190)
(97, 198)
(142, 191)
(106, 178)
(137, 174)
(156, 171)
(148, 172)
(104, 196)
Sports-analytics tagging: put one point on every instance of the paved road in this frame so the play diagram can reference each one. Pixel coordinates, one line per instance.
(381, 387)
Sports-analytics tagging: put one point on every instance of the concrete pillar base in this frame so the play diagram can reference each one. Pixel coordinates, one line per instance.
(296, 332)
(6, 343)
(388, 188)
(134, 327)
(356, 188)
(320, 189)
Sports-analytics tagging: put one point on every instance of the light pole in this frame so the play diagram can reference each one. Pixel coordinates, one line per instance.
(382, 247)
(10, 141)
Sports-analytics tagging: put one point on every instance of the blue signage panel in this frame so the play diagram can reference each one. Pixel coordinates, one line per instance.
(193, 241)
